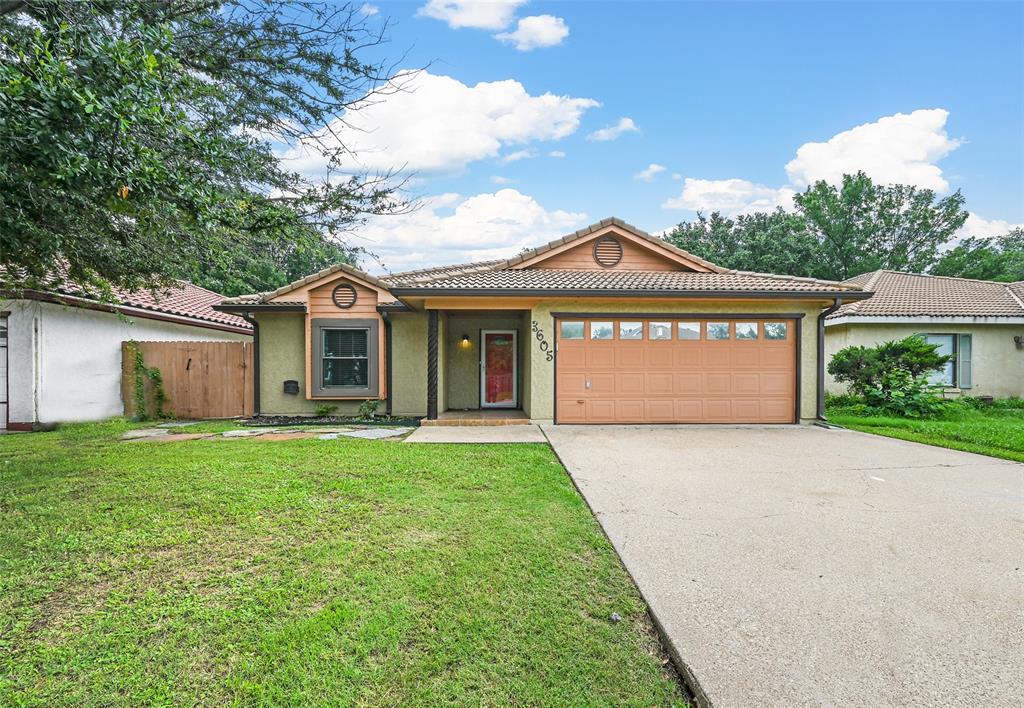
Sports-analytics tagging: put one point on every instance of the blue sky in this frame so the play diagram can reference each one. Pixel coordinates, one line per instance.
(719, 97)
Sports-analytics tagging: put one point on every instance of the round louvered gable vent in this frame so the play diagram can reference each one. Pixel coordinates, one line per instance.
(608, 251)
(344, 296)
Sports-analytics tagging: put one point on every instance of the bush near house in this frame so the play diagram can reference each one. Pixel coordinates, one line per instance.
(891, 377)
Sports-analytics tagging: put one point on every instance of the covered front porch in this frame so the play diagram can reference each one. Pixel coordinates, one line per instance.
(477, 367)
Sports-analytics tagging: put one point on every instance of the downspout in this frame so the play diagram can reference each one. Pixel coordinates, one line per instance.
(821, 357)
(249, 317)
(387, 363)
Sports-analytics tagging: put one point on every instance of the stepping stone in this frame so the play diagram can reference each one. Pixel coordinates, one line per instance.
(176, 437)
(376, 433)
(144, 433)
(177, 423)
(249, 433)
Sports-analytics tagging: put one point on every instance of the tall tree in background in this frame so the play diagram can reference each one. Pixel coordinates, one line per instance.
(835, 232)
(999, 258)
(861, 226)
(138, 137)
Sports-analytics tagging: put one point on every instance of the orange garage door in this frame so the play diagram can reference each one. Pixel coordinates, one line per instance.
(723, 370)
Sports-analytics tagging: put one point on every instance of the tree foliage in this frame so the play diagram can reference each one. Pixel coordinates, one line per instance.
(139, 137)
(834, 233)
(1000, 259)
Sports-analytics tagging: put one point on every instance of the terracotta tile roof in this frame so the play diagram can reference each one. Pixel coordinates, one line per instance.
(625, 281)
(263, 298)
(426, 274)
(913, 295)
(183, 299)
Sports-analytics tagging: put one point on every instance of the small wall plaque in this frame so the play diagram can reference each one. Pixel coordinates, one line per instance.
(291, 387)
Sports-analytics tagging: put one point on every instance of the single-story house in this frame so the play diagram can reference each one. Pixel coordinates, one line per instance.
(979, 322)
(60, 350)
(606, 325)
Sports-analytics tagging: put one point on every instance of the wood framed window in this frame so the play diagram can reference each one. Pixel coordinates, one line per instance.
(345, 358)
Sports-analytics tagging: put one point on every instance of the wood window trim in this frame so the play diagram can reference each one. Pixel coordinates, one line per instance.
(372, 390)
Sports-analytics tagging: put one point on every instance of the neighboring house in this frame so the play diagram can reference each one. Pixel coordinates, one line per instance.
(979, 322)
(60, 352)
(606, 325)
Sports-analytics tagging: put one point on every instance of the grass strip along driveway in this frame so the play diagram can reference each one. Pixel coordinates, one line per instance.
(342, 571)
(997, 432)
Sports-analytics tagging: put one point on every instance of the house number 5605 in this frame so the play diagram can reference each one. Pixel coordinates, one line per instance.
(542, 342)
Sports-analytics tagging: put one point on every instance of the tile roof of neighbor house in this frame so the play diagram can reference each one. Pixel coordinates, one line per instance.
(914, 295)
(184, 299)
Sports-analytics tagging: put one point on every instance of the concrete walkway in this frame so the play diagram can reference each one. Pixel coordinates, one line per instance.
(477, 434)
(804, 566)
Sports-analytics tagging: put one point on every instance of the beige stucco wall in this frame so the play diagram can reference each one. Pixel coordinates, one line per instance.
(283, 357)
(997, 364)
(543, 370)
(409, 363)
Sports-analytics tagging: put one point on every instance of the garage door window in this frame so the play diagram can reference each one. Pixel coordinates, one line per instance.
(746, 330)
(601, 330)
(631, 330)
(689, 330)
(571, 330)
(660, 330)
(774, 330)
(718, 330)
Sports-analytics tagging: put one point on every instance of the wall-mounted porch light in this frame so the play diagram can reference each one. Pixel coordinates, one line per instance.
(466, 343)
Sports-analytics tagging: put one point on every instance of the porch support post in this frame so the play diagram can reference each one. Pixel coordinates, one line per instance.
(431, 364)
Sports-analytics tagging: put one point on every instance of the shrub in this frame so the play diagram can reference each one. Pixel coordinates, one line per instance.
(842, 400)
(863, 368)
(368, 408)
(323, 410)
(900, 393)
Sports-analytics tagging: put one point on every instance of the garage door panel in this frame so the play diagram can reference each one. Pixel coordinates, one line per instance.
(674, 380)
(630, 383)
(600, 355)
(658, 382)
(686, 383)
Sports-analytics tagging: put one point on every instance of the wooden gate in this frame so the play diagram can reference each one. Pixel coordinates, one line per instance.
(200, 379)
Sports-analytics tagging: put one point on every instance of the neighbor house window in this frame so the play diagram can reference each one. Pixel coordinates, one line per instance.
(346, 358)
(718, 330)
(601, 330)
(957, 372)
(631, 330)
(689, 330)
(570, 330)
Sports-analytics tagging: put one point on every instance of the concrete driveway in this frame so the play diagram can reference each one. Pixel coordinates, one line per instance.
(804, 566)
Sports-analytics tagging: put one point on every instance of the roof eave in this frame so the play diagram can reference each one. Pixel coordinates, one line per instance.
(606, 292)
(241, 308)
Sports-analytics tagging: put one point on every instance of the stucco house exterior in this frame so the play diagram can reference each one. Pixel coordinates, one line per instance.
(606, 325)
(979, 322)
(60, 350)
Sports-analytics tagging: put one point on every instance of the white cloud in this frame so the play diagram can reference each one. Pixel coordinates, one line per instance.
(498, 179)
(536, 31)
(676, 175)
(478, 14)
(650, 172)
(556, 153)
(611, 132)
(450, 228)
(984, 228)
(518, 155)
(369, 10)
(732, 197)
(436, 123)
(897, 149)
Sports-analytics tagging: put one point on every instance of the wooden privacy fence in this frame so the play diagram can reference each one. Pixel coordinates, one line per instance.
(198, 379)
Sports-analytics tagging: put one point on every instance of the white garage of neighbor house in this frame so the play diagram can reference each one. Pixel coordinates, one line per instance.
(60, 353)
(980, 323)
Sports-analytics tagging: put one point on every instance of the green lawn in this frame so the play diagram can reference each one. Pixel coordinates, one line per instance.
(308, 571)
(996, 432)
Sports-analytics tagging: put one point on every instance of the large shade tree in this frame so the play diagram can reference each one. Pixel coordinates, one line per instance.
(1000, 258)
(834, 232)
(139, 139)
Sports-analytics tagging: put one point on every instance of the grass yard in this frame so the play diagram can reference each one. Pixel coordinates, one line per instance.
(308, 571)
(997, 432)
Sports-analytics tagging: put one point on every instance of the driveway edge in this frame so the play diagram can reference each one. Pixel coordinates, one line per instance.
(692, 689)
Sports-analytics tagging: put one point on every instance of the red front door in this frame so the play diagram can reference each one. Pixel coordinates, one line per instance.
(498, 374)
